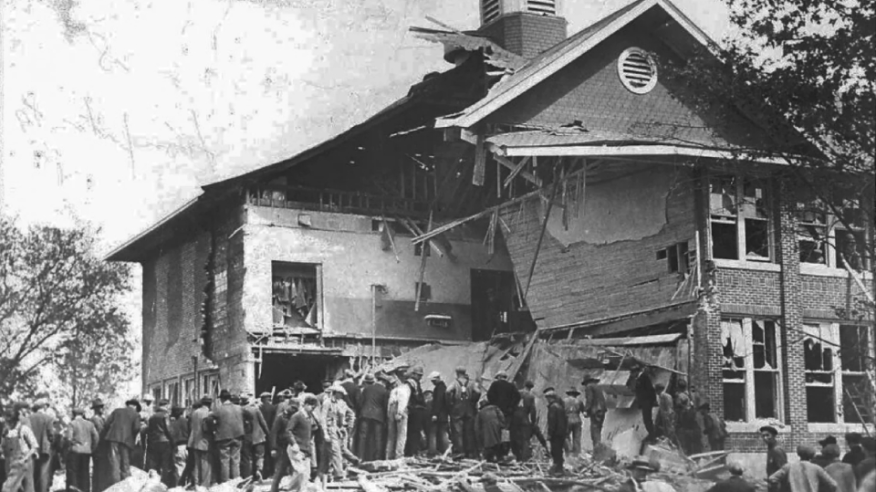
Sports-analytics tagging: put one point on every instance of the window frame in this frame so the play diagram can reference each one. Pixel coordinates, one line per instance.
(318, 294)
(749, 371)
(743, 211)
(833, 226)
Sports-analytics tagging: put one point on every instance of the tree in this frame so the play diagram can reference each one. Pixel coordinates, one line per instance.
(805, 72)
(59, 310)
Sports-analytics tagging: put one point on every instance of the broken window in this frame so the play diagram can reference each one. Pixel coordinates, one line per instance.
(189, 391)
(740, 211)
(826, 235)
(812, 236)
(751, 373)
(818, 357)
(295, 294)
(856, 357)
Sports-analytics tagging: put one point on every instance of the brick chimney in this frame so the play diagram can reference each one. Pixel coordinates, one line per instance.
(525, 27)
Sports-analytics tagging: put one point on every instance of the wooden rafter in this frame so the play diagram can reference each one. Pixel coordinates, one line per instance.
(514, 172)
(511, 165)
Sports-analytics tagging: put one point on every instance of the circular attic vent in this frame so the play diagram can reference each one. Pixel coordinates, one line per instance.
(637, 70)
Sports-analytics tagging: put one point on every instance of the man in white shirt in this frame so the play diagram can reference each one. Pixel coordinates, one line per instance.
(397, 429)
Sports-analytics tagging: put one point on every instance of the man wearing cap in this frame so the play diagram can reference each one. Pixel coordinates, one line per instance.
(121, 432)
(574, 409)
(179, 434)
(417, 414)
(199, 444)
(735, 483)
(42, 424)
(776, 456)
(81, 439)
(339, 422)
(438, 437)
(19, 446)
(462, 396)
(397, 415)
(856, 452)
(353, 397)
(802, 476)
(252, 455)
(841, 473)
(557, 429)
(820, 459)
(227, 420)
(100, 465)
(594, 408)
(372, 422)
(159, 454)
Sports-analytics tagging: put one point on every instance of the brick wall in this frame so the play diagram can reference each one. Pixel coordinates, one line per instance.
(525, 33)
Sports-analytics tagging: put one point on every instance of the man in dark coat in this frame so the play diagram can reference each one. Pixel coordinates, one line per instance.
(488, 428)
(462, 396)
(776, 456)
(199, 444)
(353, 401)
(121, 432)
(252, 455)
(856, 452)
(646, 398)
(159, 442)
(100, 463)
(417, 414)
(594, 408)
(179, 433)
(506, 396)
(524, 424)
(557, 429)
(43, 426)
(375, 398)
(440, 414)
(269, 412)
(227, 420)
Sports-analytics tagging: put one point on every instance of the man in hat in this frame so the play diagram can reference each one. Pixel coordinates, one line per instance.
(100, 463)
(159, 452)
(269, 413)
(227, 420)
(820, 459)
(353, 398)
(714, 428)
(856, 452)
(557, 429)
(397, 410)
(375, 398)
(179, 433)
(489, 424)
(574, 409)
(19, 446)
(138, 455)
(735, 483)
(43, 426)
(252, 455)
(339, 421)
(841, 473)
(646, 397)
(803, 476)
(462, 397)
(417, 414)
(689, 433)
(505, 395)
(440, 414)
(121, 432)
(594, 408)
(81, 438)
(524, 424)
(776, 456)
(199, 444)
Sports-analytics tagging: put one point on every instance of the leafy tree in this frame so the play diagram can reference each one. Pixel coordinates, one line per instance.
(59, 310)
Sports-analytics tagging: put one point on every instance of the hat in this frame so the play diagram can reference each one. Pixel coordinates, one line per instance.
(854, 437)
(337, 388)
(735, 468)
(548, 390)
(417, 370)
(265, 394)
(827, 440)
(529, 384)
(147, 397)
(299, 385)
(705, 406)
(78, 411)
(831, 451)
(224, 395)
(286, 393)
(369, 378)
(572, 391)
(41, 403)
(768, 428)
(461, 370)
(135, 403)
(163, 402)
(501, 374)
(434, 375)
(640, 464)
(206, 400)
(97, 403)
(18, 406)
(805, 452)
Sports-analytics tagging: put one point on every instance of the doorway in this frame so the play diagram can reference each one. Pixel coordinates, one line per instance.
(280, 371)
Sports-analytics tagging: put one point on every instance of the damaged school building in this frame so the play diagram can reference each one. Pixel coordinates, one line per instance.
(546, 188)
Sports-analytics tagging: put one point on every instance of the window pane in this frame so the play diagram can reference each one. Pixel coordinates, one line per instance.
(734, 402)
(855, 400)
(855, 346)
(757, 242)
(765, 394)
(733, 342)
(756, 200)
(724, 241)
(820, 406)
(770, 342)
(852, 246)
(812, 241)
(722, 195)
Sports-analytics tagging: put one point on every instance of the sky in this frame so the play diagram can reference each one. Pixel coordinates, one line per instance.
(115, 112)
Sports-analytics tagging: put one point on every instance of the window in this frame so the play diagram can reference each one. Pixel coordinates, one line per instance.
(836, 358)
(156, 393)
(295, 295)
(188, 392)
(677, 257)
(825, 235)
(740, 210)
(171, 392)
(751, 374)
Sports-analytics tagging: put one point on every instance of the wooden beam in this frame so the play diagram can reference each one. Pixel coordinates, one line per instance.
(547, 217)
(510, 165)
(422, 269)
(480, 164)
(516, 170)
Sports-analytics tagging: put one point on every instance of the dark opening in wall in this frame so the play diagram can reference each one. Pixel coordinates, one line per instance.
(295, 294)
(724, 241)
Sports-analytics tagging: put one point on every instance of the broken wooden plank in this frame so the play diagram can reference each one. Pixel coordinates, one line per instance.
(516, 170)
(510, 165)
(480, 163)
(547, 217)
(423, 257)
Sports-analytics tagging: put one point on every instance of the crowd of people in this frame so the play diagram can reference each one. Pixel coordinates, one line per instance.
(367, 417)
